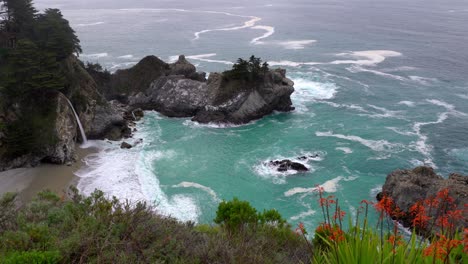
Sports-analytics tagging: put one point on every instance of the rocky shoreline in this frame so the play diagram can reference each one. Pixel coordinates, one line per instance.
(407, 187)
(109, 104)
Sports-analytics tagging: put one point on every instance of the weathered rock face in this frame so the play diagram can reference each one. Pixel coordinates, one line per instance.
(55, 143)
(65, 132)
(173, 96)
(250, 103)
(406, 187)
(218, 100)
(100, 119)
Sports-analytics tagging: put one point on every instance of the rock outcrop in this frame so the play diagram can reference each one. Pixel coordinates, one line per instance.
(218, 100)
(406, 187)
(100, 118)
(288, 165)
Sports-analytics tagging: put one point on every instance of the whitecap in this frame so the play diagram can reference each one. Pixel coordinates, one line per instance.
(269, 31)
(407, 103)
(89, 24)
(291, 63)
(95, 55)
(302, 215)
(329, 186)
(385, 113)
(463, 96)
(198, 186)
(367, 57)
(202, 57)
(357, 68)
(296, 44)
(422, 80)
(374, 191)
(375, 145)
(346, 106)
(450, 108)
(345, 150)
(247, 24)
(126, 57)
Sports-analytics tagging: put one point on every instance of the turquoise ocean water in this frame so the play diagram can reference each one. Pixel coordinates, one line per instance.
(379, 86)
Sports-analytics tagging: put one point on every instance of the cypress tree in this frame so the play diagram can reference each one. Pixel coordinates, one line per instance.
(54, 34)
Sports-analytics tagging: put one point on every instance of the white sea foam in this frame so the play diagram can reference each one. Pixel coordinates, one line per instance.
(385, 113)
(89, 24)
(126, 57)
(346, 106)
(198, 186)
(374, 191)
(95, 55)
(128, 174)
(450, 108)
(358, 68)
(375, 145)
(367, 57)
(296, 44)
(422, 80)
(291, 63)
(407, 103)
(399, 69)
(269, 171)
(463, 96)
(247, 24)
(345, 150)
(202, 57)
(307, 91)
(421, 144)
(195, 124)
(302, 215)
(269, 31)
(329, 186)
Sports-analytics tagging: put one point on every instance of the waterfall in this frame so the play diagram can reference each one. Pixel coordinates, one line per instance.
(83, 135)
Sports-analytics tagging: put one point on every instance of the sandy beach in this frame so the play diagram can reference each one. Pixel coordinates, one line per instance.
(29, 181)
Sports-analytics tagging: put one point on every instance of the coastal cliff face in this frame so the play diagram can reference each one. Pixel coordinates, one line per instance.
(50, 138)
(406, 187)
(185, 93)
(98, 117)
(43, 128)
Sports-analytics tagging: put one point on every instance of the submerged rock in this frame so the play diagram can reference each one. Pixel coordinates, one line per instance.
(406, 187)
(287, 165)
(125, 145)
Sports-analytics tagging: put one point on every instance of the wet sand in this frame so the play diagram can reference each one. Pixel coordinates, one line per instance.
(27, 182)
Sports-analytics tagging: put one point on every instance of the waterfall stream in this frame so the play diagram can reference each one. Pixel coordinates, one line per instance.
(83, 135)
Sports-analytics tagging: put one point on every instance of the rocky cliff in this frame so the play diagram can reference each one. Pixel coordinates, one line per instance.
(35, 134)
(406, 187)
(184, 93)
(41, 127)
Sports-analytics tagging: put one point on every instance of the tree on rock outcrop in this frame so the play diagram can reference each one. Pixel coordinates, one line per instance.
(248, 70)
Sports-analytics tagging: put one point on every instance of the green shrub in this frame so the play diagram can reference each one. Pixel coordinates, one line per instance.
(236, 214)
(32, 257)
